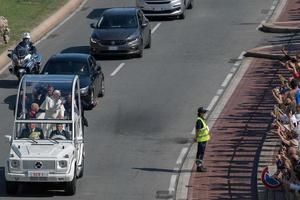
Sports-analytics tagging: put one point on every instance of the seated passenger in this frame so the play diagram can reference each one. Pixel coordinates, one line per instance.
(35, 112)
(32, 132)
(60, 133)
(53, 106)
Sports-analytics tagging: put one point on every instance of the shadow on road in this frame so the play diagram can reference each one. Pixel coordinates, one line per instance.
(9, 84)
(11, 101)
(86, 50)
(2, 182)
(77, 49)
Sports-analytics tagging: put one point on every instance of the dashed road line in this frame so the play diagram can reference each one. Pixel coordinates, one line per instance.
(220, 91)
(181, 156)
(172, 184)
(117, 69)
(213, 102)
(155, 28)
(227, 79)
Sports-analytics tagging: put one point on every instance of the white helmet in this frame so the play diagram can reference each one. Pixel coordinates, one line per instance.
(26, 35)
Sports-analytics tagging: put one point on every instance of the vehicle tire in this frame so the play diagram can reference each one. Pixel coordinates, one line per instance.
(102, 87)
(182, 15)
(80, 174)
(70, 187)
(190, 5)
(149, 43)
(92, 101)
(11, 187)
(141, 51)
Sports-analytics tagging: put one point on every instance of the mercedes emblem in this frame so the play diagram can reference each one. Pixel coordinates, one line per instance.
(38, 165)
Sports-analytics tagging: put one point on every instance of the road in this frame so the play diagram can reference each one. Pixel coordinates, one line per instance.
(137, 131)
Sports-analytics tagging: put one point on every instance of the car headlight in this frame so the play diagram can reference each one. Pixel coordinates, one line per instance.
(14, 164)
(84, 90)
(62, 163)
(133, 41)
(93, 40)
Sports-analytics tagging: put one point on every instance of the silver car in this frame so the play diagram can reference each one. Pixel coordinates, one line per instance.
(165, 7)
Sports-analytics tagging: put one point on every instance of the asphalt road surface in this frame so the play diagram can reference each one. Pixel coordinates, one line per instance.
(137, 131)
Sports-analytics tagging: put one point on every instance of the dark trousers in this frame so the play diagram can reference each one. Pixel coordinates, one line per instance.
(201, 151)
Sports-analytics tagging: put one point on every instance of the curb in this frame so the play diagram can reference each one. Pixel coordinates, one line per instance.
(48, 24)
(264, 52)
(271, 28)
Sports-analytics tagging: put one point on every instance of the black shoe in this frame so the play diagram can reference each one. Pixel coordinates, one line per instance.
(201, 169)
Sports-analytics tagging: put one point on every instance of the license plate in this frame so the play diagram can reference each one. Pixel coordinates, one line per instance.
(158, 9)
(38, 173)
(112, 48)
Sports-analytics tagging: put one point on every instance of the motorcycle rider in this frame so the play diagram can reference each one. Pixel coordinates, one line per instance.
(30, 48)
(26, 42)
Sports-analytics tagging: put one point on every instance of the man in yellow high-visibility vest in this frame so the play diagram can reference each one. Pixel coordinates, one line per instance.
(202, 135)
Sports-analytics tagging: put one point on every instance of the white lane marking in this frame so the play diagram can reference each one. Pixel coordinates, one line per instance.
(238, 63)
(193, 131)
(227, 79)
(241, 56)
(272, 8)
(181, 156)
(172, 183)
(220, 91)
(155, 28)
(213, 102)
(51, 31)
(117, 69)
(233, 69)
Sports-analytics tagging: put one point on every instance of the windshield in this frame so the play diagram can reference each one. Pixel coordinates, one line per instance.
(117, 21)
(43, 131)
(41, 99)
(66, 68)
(21, 52)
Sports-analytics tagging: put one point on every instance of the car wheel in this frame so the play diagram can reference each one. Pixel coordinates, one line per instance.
(182, 15)
(190, 5)
(141, 50)
(102, 88)
(11, 187)
(70, 187)
(81, 169)
(149, 43)
(92, 98)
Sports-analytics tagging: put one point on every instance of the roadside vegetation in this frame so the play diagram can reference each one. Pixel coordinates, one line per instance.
(23, 15)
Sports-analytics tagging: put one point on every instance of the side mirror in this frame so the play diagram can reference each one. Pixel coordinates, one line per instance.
(92, 25)
(144, 24)
(98, 69)
(8, 138)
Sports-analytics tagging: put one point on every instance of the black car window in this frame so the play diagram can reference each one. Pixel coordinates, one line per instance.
(66, 67)
(117, 21)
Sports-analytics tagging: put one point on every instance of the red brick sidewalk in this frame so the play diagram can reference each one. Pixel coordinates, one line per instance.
(232, 154)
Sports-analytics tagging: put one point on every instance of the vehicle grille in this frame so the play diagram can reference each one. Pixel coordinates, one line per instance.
(157, 2)
(112, 42)
(31, 164)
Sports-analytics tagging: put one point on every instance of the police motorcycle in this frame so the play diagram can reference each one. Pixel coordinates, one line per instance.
(24, 62)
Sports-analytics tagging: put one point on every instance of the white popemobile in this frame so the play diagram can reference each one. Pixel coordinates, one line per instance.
(45, 149)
